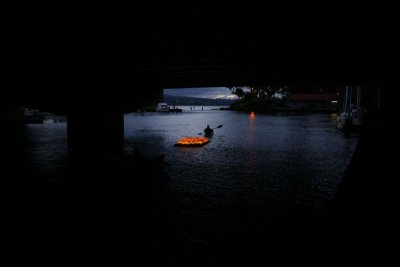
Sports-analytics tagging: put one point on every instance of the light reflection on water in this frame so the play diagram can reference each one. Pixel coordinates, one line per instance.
(265, 161)
(259, 164)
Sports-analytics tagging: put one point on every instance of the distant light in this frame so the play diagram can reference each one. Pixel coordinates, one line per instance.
(252, 115)
(333, 101)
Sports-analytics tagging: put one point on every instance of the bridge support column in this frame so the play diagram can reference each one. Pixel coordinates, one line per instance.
(95, 134)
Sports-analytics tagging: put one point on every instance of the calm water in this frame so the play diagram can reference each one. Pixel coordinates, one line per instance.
(270, 159)
(254, 169)
(274, 159)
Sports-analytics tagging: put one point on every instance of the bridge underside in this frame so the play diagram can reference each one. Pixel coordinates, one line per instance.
(119, 69)
(118, 72)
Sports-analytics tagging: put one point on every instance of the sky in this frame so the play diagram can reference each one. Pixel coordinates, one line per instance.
(205, 92)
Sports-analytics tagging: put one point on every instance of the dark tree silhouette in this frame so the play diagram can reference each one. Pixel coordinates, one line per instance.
(238, 91)
(260, 92)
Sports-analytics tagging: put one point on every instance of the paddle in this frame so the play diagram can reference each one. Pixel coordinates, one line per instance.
(219, 126)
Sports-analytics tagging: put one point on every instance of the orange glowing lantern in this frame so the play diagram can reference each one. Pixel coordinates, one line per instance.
(192, 141)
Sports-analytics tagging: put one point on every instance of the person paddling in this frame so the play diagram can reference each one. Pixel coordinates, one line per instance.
(208, 131)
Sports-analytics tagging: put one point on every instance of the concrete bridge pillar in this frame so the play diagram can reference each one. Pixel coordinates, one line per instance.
(95, 123)
(95, 134)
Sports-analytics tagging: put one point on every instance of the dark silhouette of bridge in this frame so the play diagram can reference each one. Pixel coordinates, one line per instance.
(164, 55)
(171, 58)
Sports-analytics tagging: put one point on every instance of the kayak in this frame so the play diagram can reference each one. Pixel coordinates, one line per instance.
(208, 135)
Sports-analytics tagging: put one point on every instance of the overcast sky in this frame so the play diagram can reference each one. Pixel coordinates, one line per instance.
(208, 92)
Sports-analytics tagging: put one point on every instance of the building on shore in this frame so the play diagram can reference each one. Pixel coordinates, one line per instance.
(327, 102)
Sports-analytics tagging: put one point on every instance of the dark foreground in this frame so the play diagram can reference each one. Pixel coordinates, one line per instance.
(106, 212)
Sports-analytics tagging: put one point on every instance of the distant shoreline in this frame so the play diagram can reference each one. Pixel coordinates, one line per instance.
(286, 109)
(195, 101)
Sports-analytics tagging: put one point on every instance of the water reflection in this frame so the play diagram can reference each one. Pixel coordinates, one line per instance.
(255, 169)
(301, 157)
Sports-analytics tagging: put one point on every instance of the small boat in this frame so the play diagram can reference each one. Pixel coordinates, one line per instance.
(350, 120)
(192, 141)
(209, 134)
(162, 107)
(32, 116)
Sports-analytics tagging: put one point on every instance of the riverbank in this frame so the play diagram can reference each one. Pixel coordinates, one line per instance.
(310, 103)
(285, 109)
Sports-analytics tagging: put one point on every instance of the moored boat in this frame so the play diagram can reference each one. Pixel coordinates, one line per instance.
(350, 120)
(162, 107)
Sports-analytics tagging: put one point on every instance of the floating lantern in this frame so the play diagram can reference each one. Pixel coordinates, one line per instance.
(192, 141)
